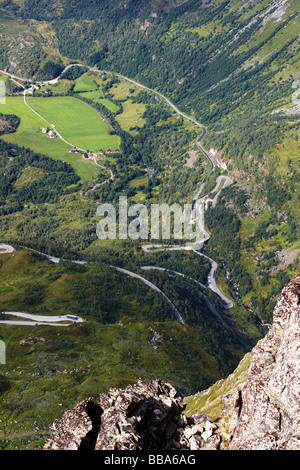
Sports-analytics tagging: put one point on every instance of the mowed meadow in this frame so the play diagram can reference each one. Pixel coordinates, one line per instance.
(77, 122)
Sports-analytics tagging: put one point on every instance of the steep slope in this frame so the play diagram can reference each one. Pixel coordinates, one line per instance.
(270, 409)
(25, 45)
(257, 407)
(261, 407)
(234, 66)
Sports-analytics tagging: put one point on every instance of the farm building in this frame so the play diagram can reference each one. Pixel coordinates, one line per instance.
(33, 88)
(85, 155)
(44, 130)
(52, 135)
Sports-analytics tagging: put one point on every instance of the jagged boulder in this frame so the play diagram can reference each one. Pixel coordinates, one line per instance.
(76, 429)
(258, 405)
(144, 416)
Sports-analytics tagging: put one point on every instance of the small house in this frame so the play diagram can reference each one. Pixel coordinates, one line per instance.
(85, 155)
(44, 130)
(52, 135)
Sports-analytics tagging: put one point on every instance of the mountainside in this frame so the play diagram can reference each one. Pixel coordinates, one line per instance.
(234, 66)
(156, 102)
(257, 407)
(261, 407)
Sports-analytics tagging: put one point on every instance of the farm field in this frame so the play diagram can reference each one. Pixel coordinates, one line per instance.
(84, 83)
(78, 123)
(29, 133)
(3, 78)
(92, 95)
(131, 115)
(108, 104)
(98, 97)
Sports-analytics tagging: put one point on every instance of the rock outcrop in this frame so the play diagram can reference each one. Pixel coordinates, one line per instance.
(260, 407)
(268, 413)
(144, 416)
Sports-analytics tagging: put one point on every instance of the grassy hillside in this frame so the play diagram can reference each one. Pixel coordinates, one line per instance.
(231, 65)
(29, 134)
(78, 123)
(48, 369)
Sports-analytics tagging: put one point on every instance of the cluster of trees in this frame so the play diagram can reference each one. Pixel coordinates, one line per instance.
(156, 113)
(253, 135)
(56, 178)
(189, 68)
(74, 72)
(238, 196)
(8, 123)
(50, 70)
(225, 225)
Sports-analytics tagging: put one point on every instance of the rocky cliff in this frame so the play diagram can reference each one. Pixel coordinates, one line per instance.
(268, 414)
(145, 416)
(257, 407)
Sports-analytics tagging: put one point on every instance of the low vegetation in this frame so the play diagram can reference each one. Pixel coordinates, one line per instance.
(229, 66)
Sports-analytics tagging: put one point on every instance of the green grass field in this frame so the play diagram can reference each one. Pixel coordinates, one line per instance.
(84, 83)
(98, 97)
(140, 181)
(131, 115)
(3, 78)
(77, 122)
(108, 104)
(62, 86)
(92, 95)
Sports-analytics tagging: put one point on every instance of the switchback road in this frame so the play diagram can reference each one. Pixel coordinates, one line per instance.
(54, 320)
(212, 275)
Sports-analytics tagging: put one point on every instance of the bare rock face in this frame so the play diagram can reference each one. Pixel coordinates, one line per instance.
(144, 416)
(263, 411)
(268, 416)
(76, 429)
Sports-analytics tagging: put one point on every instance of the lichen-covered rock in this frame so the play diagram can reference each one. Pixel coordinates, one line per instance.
(144, 416)
(269, 409)
(69, 431)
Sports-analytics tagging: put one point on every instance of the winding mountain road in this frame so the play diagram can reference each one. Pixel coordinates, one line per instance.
(54, 320)
(32, 319)
(6, 249)
(188, 278)
(150, 247)
(152, 286)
